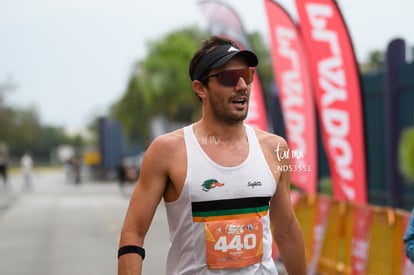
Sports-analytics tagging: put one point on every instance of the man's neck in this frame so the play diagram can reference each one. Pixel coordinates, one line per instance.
(225, 133)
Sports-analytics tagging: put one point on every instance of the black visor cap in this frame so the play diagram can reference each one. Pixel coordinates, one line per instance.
(219, 57)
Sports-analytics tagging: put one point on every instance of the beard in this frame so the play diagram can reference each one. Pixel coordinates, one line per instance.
(222, 112)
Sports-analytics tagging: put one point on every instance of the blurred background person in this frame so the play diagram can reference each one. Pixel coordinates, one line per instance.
(121, 174)
(76, 167)
(68, 171)
(26, 163)
(3, 169)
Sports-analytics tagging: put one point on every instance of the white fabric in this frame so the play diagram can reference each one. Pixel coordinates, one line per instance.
(187, 253)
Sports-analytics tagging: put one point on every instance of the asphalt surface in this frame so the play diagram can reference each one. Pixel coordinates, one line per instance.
(59, 228)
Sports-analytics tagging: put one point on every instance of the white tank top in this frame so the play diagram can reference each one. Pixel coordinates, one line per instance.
(221, 217)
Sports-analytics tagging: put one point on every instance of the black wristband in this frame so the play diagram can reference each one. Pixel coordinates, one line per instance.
(131, 249)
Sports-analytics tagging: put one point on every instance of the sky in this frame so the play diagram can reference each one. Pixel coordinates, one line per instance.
(71, 59)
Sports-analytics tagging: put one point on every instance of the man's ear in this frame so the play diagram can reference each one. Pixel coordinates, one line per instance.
(199, 89)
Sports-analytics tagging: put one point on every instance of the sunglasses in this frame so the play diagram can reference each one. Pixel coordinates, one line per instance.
(230, 78)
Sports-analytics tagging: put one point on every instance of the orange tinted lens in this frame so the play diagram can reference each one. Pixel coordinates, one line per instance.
(230, 78)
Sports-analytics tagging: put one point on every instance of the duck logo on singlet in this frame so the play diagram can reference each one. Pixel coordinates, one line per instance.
(210, 184)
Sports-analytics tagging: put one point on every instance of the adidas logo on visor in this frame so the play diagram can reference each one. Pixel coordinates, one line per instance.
(233, 49)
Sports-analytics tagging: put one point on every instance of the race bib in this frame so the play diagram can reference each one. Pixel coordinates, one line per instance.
(234, 243)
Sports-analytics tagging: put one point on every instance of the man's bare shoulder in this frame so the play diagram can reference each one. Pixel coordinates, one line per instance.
(168, 143)
(170, 138)
(270, 141)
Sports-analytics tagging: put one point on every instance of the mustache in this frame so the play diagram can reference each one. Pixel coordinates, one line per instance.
(241, 93)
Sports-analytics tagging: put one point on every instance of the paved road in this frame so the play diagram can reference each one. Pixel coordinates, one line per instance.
(58, 228)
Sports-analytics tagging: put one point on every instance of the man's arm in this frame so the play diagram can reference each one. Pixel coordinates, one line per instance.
(285, 226)
(145, 198)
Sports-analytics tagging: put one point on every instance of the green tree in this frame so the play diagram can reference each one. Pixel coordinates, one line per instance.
(160, 84)
(406, 153)
(375, 60)
(21, 130)
(5, 113)
(264, 68)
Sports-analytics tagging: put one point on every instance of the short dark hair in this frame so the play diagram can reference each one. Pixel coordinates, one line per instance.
(205, 47)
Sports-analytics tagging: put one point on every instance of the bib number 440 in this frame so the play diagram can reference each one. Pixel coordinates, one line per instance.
(235, 243)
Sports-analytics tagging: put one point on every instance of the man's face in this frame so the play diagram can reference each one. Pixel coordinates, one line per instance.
(229, 104)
